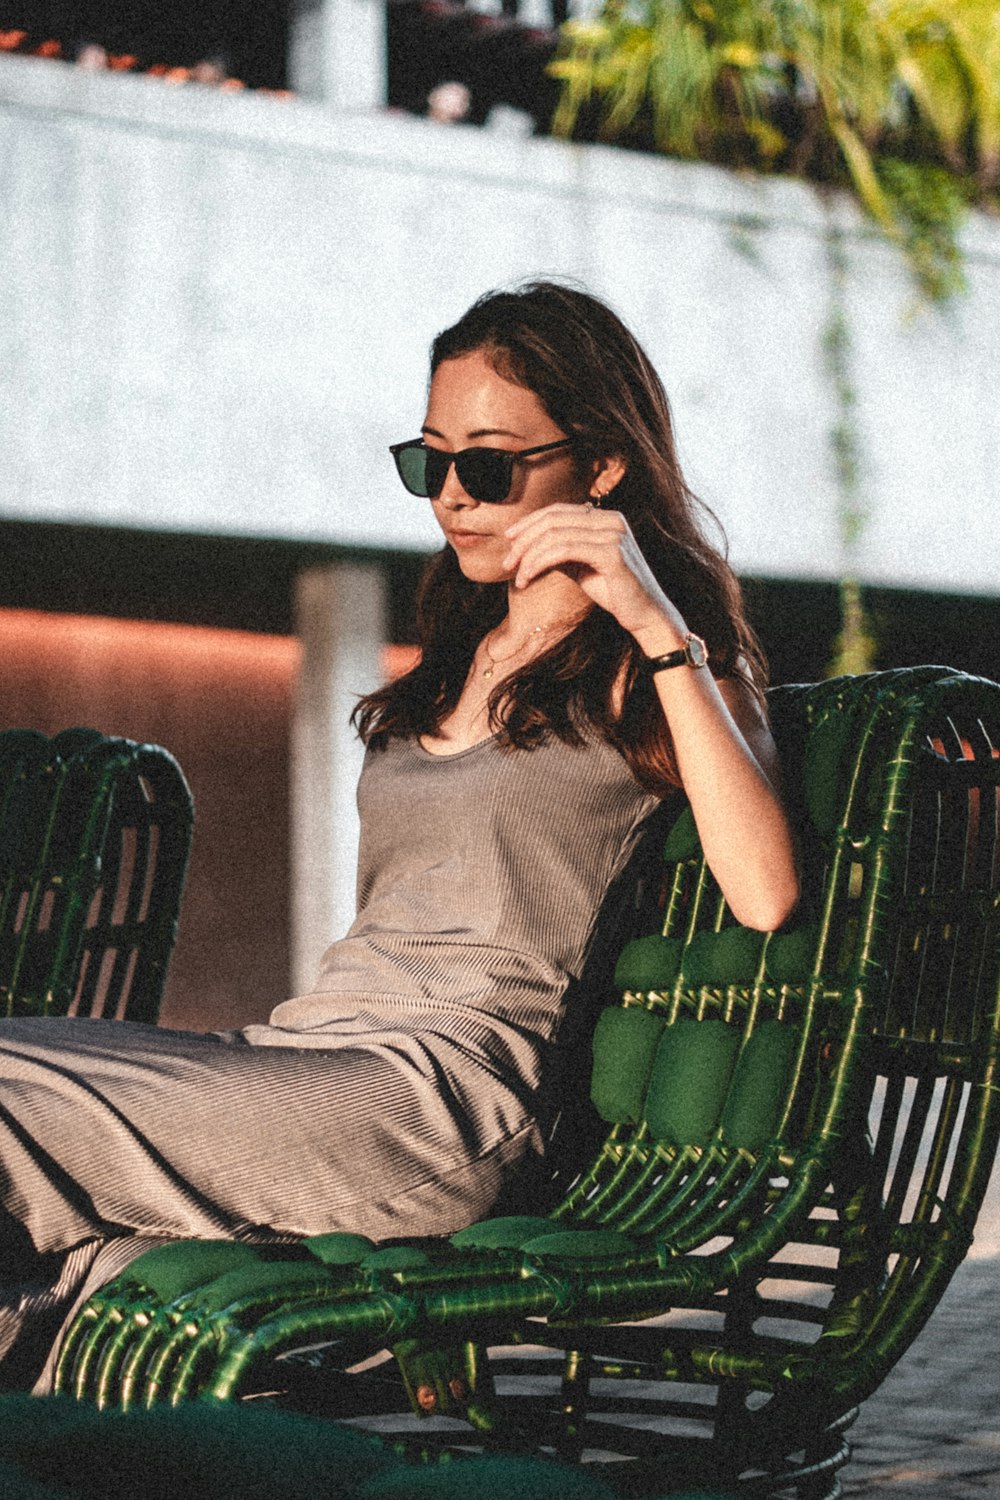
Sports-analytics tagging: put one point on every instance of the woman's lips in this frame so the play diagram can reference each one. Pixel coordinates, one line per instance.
(467, 538)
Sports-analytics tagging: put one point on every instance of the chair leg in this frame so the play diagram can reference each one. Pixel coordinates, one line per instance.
(575, 1392)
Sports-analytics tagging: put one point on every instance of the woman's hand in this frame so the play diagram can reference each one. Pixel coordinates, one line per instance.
(597, 550)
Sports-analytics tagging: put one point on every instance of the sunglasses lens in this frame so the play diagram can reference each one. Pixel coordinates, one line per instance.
(485, 474)
(436, 466)
(411, 461)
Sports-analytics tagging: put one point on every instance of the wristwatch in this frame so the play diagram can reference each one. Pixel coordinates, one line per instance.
(693, 653)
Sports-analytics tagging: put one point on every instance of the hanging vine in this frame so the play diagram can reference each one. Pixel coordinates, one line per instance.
(854, 648)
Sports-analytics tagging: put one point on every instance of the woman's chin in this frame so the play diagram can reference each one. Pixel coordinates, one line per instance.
(480, 569)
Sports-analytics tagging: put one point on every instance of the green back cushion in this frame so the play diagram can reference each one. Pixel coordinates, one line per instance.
(266, 1279)
(791, 956)
(580, 1244)
(690, 1078)
(395, 1258)
(545, 1237)
(719, 958)
(70, 742)
(648, 963)
(625, 1043)
(682, 841)
(831, 746)
(22, 745)
(760, 1085)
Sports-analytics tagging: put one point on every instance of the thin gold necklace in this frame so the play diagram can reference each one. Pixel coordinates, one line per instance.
(496, 661)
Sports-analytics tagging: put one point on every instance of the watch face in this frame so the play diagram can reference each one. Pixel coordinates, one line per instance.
(697, 652)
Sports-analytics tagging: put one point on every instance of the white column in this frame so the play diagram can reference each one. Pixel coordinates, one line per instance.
(340, 620)
(336, 52)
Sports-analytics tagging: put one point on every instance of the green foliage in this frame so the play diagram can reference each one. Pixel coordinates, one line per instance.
(898, 100)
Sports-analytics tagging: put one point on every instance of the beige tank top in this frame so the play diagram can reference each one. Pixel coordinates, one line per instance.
(480, 879)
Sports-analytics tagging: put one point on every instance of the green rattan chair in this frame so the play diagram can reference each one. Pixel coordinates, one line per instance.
(798, 1131)
(94, 841)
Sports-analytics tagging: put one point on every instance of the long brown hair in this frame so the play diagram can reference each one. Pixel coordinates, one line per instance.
(596, 383)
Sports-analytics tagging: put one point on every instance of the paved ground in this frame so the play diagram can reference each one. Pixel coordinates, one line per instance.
(932, 1432)
(933, 1429)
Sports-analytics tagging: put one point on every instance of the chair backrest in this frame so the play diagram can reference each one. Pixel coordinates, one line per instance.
(892, 781)
(94, 840)
(932, 1058)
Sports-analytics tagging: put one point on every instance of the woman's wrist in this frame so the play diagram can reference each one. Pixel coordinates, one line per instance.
(666, 633)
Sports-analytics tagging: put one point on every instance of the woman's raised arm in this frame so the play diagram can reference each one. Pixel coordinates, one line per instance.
(726, 757)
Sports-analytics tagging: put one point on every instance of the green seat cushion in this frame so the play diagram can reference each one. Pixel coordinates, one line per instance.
(625, 1043)
(731, 956)
(172, 1269)
(682, 841)
(791, 956)
(395, 1258)
(648, 963)
(690, 1079)
(267, 1279)
(505, 1233)
(15, 1486)
(338, 1249)
(760, 1085)
(580, 1244)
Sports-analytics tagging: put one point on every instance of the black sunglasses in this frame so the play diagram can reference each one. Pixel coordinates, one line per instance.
(484, 473)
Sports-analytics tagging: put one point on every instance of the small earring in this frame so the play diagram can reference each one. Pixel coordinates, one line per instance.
(598, 499)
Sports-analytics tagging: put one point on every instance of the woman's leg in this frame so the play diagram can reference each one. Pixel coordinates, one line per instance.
(110, 1131)
(109, 1128)
(35, 1292)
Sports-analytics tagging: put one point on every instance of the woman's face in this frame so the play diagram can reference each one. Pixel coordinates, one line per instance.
(471, 406)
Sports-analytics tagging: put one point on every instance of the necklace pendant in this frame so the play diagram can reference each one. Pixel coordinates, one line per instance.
(488, 672)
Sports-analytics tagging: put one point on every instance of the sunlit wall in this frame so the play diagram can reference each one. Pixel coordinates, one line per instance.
(216, 311)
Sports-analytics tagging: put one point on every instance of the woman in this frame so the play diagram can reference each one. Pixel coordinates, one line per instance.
(584, 656)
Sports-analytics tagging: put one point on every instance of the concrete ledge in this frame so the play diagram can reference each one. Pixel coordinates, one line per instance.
(399, 143)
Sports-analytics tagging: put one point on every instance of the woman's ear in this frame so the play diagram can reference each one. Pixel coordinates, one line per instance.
(608, 474)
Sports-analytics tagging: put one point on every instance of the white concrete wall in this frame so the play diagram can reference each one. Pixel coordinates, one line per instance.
(216, 310)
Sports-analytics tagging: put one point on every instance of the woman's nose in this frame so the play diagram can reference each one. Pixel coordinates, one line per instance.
(452, 494)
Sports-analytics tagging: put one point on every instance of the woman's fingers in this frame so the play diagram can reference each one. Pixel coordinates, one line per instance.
(562, 530)
(565, 547)
(586, 515)
(598, 550)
